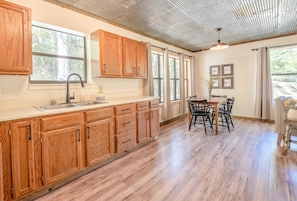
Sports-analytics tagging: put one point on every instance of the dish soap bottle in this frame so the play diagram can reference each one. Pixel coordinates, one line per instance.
(100, 96)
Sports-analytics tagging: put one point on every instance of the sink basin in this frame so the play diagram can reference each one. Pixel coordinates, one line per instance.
(85, 103)
(67, 105)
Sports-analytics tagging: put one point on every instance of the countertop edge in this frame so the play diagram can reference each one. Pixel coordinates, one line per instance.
(14, 114)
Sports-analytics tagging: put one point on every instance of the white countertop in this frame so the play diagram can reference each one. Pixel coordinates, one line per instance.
(13, 114)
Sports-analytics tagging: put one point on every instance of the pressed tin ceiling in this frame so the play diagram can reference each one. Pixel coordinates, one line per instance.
(191, 24)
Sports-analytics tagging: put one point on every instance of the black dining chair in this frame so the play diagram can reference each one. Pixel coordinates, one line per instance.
(200, 113)
(225, 111)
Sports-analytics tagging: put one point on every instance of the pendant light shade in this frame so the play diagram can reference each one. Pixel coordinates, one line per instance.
(219, 45)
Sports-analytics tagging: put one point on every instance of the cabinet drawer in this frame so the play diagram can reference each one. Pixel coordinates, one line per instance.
(142, 106)
(125, 123)
(99, 114)
(154, 103)
(125, 141)
(60, 121)
(125, 109)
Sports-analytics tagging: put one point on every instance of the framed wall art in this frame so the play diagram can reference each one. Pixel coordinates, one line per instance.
(227, 82)
(214, 70)
(227, 70)
(216, 83)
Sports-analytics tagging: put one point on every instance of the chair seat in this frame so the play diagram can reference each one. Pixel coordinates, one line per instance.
(200, 113)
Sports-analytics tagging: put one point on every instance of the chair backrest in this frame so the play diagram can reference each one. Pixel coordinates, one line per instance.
(229, 105)
(220, 96)
(199, 107)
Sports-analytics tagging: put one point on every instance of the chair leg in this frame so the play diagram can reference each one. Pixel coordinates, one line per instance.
(204, 125)
(231, 120)
(210, 121)
(227, 122)
(190, 124)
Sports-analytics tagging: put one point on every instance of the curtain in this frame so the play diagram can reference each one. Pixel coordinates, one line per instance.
(167, 113)
(264, 99)
(148, 88)
(192, 78)
(182, 83)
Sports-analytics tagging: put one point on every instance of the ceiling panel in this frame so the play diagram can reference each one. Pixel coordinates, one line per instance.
(191, 24)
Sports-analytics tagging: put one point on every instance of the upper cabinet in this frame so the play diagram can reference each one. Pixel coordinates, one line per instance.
(110, 54)
(118, 56)
(16, 40)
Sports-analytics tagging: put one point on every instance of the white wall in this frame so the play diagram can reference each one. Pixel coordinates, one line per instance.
(15, 91)
(244, 61)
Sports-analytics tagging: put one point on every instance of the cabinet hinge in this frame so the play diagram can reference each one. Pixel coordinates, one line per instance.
(12, 191)
(9, 132)
(42, 179)
(41, 140)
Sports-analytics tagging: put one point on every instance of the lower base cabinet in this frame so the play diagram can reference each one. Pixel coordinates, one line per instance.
(125, 141)
(60, 154)
(99, 142)
(22, 158)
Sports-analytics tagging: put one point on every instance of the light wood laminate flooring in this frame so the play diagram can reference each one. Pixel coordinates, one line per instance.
(182, 165)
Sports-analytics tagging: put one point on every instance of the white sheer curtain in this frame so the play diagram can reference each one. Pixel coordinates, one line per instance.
(167, 113)
(264, 98)
(148, 88)
(182, 83)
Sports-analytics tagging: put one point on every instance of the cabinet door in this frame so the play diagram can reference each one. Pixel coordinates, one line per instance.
(143, 124)
(155, 123)
(15, 43)
(141, 60)
(1, 176)
(100, 142)
(111, 54)
(129, 57)
(22, 149)
(60, 153)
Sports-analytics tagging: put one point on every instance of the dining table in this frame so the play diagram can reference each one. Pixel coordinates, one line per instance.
(214, 101)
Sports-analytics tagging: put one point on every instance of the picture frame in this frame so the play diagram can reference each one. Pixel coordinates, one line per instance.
(227, 70)
(227, 83)
(216, 83)
(214, 70)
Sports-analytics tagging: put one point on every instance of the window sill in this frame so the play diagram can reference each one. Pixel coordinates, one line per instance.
(39, 87)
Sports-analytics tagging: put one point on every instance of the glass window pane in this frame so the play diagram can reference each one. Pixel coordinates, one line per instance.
(186, 88)
(177, 69)
(172, 89)
(284, 71)
(161, 66)
(177, 87)
(155, 65)
(171, 67)
(162, 90)
(57, 43)
(56, 69)
(156, 87)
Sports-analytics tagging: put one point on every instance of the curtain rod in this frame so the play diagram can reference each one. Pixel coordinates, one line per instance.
(294, 44)
(168, 50)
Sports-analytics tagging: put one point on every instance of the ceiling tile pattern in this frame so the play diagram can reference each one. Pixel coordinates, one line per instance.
(191, 24)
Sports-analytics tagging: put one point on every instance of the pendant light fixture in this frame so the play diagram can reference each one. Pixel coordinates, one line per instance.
(219, 45)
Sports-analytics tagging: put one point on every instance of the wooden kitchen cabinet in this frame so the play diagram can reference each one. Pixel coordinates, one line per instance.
(143, 122)
(125, 127)
(100, 135)
(61, 146)
(154, 119)
(1, 175)
(107, 48)
(16, 40)
(22, 157)
(141, 70)
(134, 58)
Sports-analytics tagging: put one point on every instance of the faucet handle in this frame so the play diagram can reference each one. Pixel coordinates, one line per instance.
(72, 97)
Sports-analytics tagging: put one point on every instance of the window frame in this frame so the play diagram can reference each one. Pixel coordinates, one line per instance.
(175, 79)
(281, 74)
(65, 31)
(159, 79)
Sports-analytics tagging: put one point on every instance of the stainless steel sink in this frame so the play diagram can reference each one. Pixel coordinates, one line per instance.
(67, 105)
(85, 103)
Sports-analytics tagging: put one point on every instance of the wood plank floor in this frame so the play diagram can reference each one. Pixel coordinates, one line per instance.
(182, 165)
